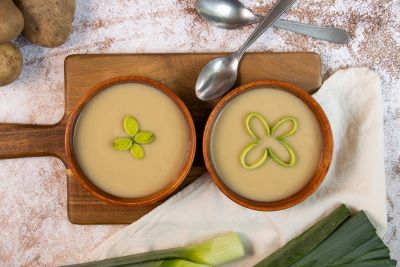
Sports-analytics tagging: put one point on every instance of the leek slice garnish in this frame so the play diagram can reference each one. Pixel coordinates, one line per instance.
(268, 133)
(258, 163)
(256, 115)
(136, 138)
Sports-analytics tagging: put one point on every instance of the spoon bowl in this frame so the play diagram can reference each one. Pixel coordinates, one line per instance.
(225, 14)
(217, 77)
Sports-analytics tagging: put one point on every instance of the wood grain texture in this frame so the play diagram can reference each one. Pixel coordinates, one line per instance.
(178, 72)
(19, 140)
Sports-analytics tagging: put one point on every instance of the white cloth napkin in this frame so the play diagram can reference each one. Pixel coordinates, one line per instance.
(352, 101)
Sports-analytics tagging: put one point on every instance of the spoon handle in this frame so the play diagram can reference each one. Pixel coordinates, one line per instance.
(269, 19)
(330, 34)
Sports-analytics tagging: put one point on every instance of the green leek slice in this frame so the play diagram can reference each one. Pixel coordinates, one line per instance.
(122, 144)
(257, 115)
(258, 163)
(292, 156)
(291, 132)
(131, 125)
(137, 151)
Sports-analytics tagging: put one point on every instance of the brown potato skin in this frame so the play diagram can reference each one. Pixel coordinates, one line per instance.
(11, 21)
(10, 63)
(48, 23)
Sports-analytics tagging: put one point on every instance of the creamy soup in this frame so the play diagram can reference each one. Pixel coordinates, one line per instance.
(102, 121)
(240, 142)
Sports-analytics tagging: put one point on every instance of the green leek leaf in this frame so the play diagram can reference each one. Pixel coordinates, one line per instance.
(350, 235)
(303, 244)
(373, 243)
(371, 263)
(382, 253)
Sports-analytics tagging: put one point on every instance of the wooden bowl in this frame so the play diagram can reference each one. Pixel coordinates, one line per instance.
(321, 170)
(99, 193)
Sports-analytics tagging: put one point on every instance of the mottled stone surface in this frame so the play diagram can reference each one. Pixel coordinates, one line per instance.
(33, 217)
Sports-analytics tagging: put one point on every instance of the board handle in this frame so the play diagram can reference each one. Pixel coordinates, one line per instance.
(22, 140)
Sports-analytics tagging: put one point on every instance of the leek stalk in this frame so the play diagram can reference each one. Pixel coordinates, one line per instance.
(212, 252)
(167, 263)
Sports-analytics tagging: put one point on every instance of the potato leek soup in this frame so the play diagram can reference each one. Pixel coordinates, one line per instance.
(131, 140)
(266, 144)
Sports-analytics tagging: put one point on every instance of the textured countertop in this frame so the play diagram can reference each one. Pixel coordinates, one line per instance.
(35, 230)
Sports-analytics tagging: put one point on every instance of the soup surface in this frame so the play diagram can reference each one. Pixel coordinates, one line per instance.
(271, 181)
(118, 172)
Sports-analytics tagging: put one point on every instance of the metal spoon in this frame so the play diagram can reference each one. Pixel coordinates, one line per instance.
(232, 14)
(219, 75)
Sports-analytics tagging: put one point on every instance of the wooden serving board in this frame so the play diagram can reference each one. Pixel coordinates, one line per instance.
(177, 71)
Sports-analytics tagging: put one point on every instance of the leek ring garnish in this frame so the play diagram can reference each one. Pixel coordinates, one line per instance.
(291, 132)
(258, 163)
(292, 156)
(256, 115)
(269, 133)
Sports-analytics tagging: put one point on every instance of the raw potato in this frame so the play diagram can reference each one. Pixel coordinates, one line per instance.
(11, 21)
(10, 63)
(47, 22)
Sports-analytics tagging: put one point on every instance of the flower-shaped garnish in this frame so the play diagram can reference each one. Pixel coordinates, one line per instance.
(135, 140)
(267, 151)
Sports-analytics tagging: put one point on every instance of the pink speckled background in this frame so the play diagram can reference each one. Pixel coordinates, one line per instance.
(34, 227)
